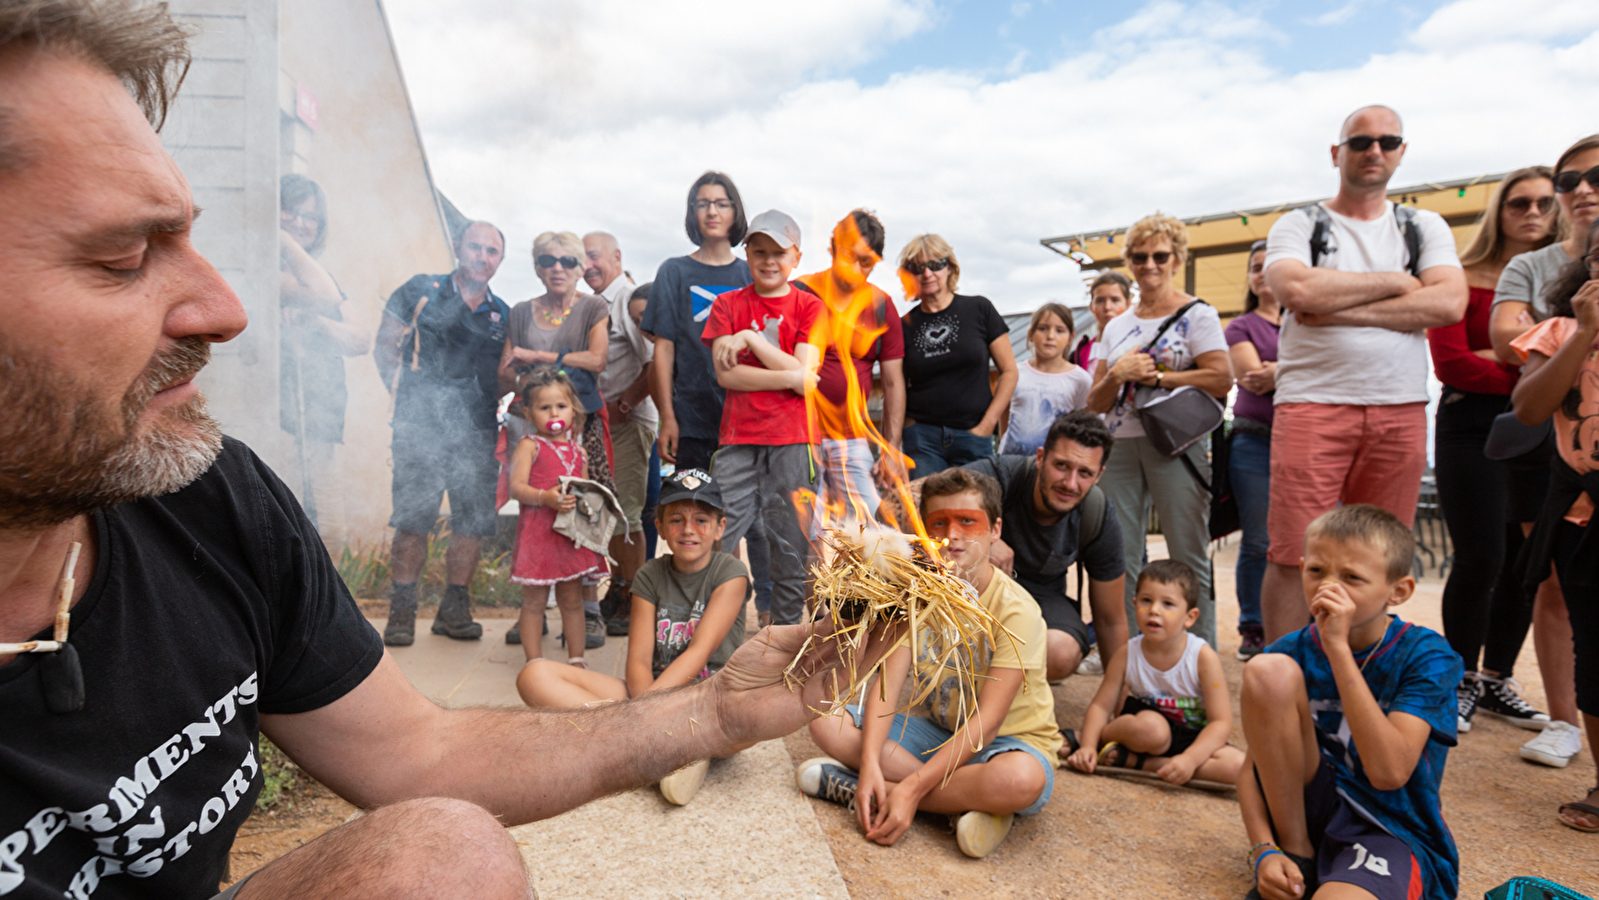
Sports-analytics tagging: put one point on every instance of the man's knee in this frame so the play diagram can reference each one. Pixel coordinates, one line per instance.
(1065, 654)
(423, 848)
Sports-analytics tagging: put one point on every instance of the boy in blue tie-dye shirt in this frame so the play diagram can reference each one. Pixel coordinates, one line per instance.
(1349, 721)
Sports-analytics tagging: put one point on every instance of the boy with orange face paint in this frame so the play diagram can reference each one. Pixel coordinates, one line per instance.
(1002, 762)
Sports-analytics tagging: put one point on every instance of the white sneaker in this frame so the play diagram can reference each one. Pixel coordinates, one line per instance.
(1092, 664)
(978, 833)
(549, 601)
(1555, 745)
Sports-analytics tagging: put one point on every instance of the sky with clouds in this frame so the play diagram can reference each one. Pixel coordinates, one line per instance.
(992, 123)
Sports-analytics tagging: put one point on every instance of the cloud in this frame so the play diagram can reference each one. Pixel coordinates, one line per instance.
(1470, 23)
(1174, 109)
(1339, 15)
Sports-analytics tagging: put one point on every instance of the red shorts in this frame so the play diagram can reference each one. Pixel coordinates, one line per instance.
(1325, 455)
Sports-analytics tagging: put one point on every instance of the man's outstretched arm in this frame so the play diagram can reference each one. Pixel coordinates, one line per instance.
(384, 742)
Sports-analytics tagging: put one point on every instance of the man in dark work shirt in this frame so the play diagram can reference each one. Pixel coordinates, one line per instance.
(204, 610)
(445, 400)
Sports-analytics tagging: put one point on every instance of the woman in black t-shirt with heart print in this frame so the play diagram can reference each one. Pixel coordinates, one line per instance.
(950, 410)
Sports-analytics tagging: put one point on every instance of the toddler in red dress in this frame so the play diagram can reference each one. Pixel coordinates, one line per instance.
(542, 556)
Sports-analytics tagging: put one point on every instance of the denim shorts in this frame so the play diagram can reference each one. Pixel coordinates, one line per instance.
(923, 737)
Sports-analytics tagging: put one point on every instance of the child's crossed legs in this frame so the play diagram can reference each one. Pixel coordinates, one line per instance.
(1007, 781)
(1143, 730)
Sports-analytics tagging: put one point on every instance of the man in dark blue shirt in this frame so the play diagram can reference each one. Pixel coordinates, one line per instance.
(438, 350)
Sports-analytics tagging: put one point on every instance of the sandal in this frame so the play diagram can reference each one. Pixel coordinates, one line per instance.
(1116, 756)
(1586, 809)
(1072, 744)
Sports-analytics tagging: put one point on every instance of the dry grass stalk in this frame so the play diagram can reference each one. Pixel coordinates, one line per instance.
(877, 600)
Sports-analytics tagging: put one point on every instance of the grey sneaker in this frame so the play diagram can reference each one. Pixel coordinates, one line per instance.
(593, 631)
(825, 778)
(1467, 693)
(454, 618)
(401, 628)
(1501, 698)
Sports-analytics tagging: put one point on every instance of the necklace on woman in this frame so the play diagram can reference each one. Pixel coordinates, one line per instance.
(553, 318)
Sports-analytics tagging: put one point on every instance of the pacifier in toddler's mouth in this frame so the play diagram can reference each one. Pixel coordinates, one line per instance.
(556, 426)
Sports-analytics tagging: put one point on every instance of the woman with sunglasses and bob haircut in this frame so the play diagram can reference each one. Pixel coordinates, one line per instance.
(1485, 501)
(570, 331)
(950, 410)
(1134, 351)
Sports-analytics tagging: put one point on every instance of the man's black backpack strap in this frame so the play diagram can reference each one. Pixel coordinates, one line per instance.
(1404, 215)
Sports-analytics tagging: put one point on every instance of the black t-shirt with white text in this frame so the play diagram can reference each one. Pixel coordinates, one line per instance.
(208, 607)
(946, 361)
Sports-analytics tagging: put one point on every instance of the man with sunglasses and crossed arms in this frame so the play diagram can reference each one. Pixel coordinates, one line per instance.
(1350, 408)
(438, 350)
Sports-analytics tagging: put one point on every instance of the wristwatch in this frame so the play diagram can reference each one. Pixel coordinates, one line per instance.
(1159, 377)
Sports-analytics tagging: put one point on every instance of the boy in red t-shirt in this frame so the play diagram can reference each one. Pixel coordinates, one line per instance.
(757, 337)
(859, 318)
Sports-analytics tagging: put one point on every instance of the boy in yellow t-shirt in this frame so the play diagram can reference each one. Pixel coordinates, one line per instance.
(891, 767)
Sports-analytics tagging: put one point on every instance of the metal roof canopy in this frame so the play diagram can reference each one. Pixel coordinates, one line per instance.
(1218, 242)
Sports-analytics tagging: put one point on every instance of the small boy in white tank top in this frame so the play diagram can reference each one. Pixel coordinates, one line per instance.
(1164, 704)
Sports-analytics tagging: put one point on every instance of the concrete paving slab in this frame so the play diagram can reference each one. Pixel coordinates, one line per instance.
(747, 832)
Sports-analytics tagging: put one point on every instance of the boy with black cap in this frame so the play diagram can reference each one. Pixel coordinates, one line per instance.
(692, 601)
(758, 339)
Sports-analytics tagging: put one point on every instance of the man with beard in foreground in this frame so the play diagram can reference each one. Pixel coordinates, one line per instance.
(204, 610)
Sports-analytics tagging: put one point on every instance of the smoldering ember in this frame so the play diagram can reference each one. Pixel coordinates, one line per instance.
(892, 449)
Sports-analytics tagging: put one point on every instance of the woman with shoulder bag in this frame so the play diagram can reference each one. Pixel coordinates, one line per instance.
(1485, 501)
(571, 331)
(1169, 340)
(1252, 347)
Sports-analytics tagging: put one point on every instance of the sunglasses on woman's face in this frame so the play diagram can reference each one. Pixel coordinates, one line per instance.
(546, 261)
(1567, 181)
(1520, 205)
(916, 267)
(1139, 259)
(1360, 143)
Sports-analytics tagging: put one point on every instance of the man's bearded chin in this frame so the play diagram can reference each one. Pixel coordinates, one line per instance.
(64, 451)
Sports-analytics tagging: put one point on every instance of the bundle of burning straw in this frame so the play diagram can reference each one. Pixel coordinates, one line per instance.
(882, 587)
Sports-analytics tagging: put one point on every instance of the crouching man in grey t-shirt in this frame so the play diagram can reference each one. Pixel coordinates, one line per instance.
(1044, 508)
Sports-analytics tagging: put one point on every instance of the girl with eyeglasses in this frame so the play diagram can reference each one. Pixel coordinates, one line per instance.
(569, 330)
(1485, 501)
(1190, 353)
(1518, 301)
(1560, 380)
(951, 412)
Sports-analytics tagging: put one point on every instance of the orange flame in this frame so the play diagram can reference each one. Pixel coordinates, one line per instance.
(848, 328)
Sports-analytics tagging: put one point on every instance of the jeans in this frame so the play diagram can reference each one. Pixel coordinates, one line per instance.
(1136, 476)
(923, 737)
(1251, 477)
(934, 448)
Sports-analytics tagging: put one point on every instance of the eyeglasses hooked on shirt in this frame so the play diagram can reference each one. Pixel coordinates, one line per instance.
(1360, 143)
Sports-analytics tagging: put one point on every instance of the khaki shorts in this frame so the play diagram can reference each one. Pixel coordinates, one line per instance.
(630, 462)
(1324, 455)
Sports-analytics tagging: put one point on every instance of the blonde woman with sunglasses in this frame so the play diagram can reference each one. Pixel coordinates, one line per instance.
(951, 412)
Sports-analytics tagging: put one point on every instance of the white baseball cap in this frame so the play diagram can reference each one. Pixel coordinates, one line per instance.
(777, 225)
